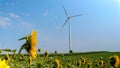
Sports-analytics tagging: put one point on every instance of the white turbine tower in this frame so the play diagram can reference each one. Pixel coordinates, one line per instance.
(69, 28)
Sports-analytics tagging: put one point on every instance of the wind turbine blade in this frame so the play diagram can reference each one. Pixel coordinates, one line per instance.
(65, 10)
(77, 15)
(64, 24)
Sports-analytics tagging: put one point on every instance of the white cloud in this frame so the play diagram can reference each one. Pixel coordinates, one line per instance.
(26, 24)
(4, 21)
(14, 20)
(20, 20)
(14, 15)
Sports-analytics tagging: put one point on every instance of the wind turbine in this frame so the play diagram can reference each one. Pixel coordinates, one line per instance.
(69, 25)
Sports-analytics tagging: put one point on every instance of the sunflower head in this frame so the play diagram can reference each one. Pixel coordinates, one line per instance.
(6, 56)
(46, 54)
(33, 43)
(83, 61)
(30, 45)
(101, 63)
(114, 61)
(78, 63)
(33, 38)
(57, 63)
(3, 64)
(32, 52)
(89, 64)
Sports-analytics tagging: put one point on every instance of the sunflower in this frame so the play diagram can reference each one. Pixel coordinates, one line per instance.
(33, 41)
(89, 64)
(101, 63)
(7, 56)
(114, 61)
(33, 38)
(32, 52)
(57, 64)
(83, 61)
(3, 64)
(46, 54)
(30, 45)
(30, 60)
(78, 63)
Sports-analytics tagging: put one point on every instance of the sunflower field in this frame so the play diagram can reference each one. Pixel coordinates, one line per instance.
(66, 60)
(37, 59)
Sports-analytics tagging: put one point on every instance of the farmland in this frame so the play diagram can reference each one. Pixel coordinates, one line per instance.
(65, 60)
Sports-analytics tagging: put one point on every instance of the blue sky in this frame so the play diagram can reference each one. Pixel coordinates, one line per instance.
(98, 29)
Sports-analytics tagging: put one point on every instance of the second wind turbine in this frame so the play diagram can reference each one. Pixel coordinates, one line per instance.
(69, 28)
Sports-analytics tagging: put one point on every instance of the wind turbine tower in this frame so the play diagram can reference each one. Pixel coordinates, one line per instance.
(69, 25)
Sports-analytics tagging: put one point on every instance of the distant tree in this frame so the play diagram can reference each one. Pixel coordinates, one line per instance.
(39, 50)
(55, 52)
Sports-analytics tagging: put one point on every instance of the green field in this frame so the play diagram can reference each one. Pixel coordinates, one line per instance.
(67, 60)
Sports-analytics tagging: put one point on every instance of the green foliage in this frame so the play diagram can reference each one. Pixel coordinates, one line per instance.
(73, 60)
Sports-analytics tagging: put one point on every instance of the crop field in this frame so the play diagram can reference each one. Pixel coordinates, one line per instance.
(35, 59)
(63, 60)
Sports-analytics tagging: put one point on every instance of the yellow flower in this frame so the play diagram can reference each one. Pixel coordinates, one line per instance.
(7, 56)
(89, 64)
(101, 63)
(33, 52)
(83, 61)
(46, 54)
(30, 45)
(3, 64)
(30, 60)
(114, 61)
(60, 66)
(57, 63)
(33, 42)
(33, 38)
(78, 63)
